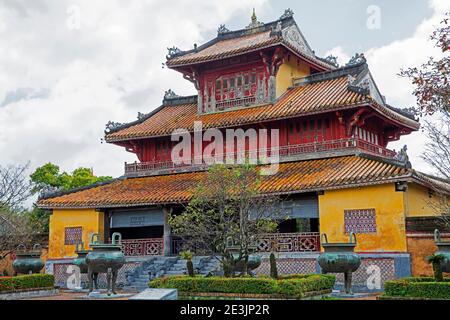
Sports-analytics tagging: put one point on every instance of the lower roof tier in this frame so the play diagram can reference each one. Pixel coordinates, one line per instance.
(291, 178)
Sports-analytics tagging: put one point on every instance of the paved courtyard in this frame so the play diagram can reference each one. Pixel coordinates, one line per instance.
(69, 295)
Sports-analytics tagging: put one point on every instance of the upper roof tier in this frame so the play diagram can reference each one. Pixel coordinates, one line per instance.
(255, 37)
(344, 88)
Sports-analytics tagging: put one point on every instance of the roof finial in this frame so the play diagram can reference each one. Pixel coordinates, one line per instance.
(254, 23)
(254, 19)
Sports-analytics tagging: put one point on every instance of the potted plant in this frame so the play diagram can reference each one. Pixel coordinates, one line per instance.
(436, 261)
(187, 255)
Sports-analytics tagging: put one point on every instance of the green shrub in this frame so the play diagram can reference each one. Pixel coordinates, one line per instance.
(296, 286)
(216, 284)
(293, 276)
(26, 282)
(6, 284)
(418, 287)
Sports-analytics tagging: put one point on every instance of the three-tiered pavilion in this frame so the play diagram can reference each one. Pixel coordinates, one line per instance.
(336, 173)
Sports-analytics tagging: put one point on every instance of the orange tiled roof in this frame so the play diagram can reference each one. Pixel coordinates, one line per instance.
(311, 98)
(233, 43)
(294, 177)
(226, 48)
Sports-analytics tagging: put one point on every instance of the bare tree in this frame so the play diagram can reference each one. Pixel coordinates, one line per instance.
(437, 149)
(432, 89)
(15, 186)
(227, 211)
(15, 228)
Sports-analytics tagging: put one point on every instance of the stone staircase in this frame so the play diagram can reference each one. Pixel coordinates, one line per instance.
(158, 266)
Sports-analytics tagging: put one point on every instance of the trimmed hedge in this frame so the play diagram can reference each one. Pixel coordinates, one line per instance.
(418, 287)
(23, 282)
(296, 286)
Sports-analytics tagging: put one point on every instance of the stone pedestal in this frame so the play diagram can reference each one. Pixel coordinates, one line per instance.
(156, 294)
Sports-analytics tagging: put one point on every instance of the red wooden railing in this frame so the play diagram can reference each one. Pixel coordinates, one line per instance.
(271, 242)
(143, 247)
(283, 151)
(290, 242)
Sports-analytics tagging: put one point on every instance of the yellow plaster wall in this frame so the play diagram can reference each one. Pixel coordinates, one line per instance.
(389, 210)
(90, 220)
(289, 70)
(419, 203)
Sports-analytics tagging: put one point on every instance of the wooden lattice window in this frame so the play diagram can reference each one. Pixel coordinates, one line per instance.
(360, 221)
(73, 235)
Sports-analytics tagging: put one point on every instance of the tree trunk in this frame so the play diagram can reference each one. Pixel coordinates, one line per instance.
(190, 268)
(437, 269)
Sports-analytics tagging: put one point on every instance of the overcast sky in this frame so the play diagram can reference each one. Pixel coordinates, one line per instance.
(68, 67)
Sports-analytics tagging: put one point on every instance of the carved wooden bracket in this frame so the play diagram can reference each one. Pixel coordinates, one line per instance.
(192, 76)
(354, 119)
(272, 62)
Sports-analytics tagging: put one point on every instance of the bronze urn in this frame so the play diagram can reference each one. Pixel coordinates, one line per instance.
(28, 261)
(80, 260)
(340, 258)
(105, 258)
(443, 249)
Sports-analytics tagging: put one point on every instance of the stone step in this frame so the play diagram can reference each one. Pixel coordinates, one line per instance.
(172, 272)
(140, 281)
(134, 289)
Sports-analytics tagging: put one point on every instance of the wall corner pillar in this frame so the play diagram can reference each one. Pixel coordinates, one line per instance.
(167, 238)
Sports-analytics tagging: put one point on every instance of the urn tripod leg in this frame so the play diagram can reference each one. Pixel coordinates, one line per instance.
(114, 278)
(348, 282)
(108, 281)
(91, 279)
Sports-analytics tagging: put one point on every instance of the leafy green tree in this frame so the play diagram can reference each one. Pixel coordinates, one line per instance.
(49, 176)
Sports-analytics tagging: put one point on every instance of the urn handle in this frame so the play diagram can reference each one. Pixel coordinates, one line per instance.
(352, 238)
(37, 247)
(437, 235)
(21, 247)
(116, 238)
(229, 242)
(95, 239)
(79, 246)
(324, 238)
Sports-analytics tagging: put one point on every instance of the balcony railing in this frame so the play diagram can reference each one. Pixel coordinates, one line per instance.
(143, 247)
(284, 153)
(274, 242)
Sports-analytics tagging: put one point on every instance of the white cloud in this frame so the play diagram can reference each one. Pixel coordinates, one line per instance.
(64, 84)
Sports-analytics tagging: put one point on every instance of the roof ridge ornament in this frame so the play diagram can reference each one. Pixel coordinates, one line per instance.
(141, 115)
(112, 126)
(222, 29)
(172, 52)
(402, 156)
(358, 58)
(332, 60)
(170, 94)
(277, 30)
(254, 23)
(288, 13)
